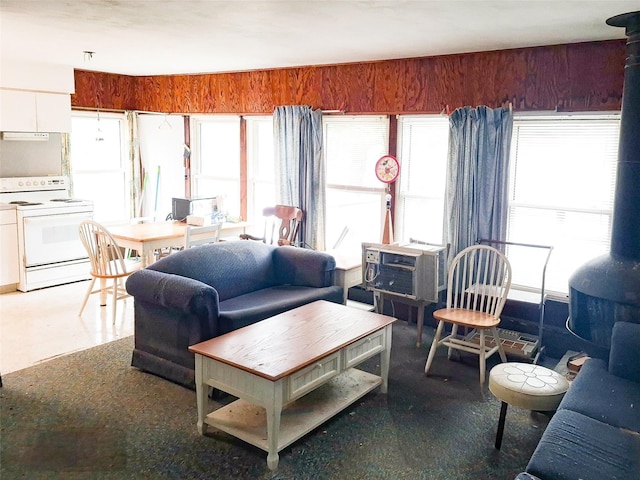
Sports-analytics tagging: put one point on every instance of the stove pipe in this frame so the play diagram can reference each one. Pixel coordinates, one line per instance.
(607, 289)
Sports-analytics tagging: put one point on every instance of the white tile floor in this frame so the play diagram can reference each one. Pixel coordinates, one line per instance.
(39, 325)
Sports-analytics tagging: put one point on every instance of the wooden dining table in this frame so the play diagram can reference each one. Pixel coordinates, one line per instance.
(146, 238)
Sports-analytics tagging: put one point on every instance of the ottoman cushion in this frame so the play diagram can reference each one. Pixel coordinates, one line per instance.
(527, 386)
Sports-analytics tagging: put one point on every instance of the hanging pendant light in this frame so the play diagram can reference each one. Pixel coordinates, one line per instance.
(99, 134)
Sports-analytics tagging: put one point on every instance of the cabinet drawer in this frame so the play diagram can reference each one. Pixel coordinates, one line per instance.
(365, 348)
(8, 217)
(302, 382)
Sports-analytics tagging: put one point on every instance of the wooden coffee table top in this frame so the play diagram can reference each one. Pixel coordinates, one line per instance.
(278, 346)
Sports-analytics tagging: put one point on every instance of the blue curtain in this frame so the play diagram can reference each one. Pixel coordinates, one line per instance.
(477, 176)
(300, 169)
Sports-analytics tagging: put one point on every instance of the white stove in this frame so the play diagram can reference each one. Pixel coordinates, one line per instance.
(40, 193)
(49, 246)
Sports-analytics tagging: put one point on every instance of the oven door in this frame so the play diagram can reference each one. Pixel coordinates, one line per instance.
(53, 238)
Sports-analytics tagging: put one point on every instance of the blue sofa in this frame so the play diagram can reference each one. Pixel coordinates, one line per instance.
(595, 434)
(194, 295)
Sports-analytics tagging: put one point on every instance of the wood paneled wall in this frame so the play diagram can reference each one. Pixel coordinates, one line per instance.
(574, 77)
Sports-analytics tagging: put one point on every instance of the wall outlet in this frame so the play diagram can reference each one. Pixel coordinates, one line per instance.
(372, 256)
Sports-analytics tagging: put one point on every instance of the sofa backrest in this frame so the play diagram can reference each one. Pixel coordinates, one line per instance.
(232, 268)
(303, 267)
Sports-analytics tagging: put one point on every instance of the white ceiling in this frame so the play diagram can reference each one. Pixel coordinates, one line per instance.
(151, 37)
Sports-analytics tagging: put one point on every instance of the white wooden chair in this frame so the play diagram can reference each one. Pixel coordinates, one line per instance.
(479, 281)
(201, 235)
(107, 263)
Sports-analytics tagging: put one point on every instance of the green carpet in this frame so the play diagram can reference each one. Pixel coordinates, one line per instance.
(89, 415)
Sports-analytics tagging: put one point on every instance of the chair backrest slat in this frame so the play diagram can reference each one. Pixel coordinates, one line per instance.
(479, 279)
(194, 236)
(104, 254)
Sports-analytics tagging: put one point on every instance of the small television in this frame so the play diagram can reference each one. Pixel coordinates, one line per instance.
(181, 208)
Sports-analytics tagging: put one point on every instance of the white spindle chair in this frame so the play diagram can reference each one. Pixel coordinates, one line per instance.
(478, 284)
(107, 263)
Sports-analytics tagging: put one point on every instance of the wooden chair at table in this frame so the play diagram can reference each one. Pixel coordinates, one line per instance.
(163, 252)
(478, 284)
(107, 263)
(194, 236)
(283, 220)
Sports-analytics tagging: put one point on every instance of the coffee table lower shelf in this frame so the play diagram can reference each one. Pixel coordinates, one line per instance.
(248, 422)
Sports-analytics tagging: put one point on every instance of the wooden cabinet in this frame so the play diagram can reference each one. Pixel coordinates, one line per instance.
(9, 273)
(27, 111)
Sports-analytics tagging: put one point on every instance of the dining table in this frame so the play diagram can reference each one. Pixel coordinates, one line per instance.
(147, 238)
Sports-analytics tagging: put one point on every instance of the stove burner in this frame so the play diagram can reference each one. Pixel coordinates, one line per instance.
(24, 203)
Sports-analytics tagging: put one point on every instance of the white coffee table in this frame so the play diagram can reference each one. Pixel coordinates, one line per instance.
(291, 372)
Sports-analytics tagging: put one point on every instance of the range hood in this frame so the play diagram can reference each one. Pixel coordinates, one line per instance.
(26, 136)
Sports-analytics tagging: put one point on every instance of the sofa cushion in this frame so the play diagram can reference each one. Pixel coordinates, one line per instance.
(602, 396)
(247, 309)
(232, 268)
(575, 446)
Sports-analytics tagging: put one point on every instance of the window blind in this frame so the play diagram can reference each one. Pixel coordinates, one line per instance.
(355, 198)
(563, 172)
(261, 190)
(216, 167)
(422, 151)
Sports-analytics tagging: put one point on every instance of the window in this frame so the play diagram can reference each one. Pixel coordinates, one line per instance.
(99, 166)
(561, 193)
(161, 140)
(216, 167)
(355, 197)
(261, 189)
(422, 149)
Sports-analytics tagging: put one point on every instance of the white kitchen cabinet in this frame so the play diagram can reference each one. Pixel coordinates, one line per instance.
(9, 267)
(18, 111)
(27, 111)
(53, 112)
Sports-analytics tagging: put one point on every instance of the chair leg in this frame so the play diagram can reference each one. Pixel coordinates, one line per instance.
(496, 337)
(454, 333)
(103, 292)
(87, 295)
(434, 347)
(115, 300)
(483, 360)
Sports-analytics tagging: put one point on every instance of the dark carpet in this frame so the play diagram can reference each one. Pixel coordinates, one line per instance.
(89, 415)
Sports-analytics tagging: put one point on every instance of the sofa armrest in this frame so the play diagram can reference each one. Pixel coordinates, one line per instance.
(303, 267)
(624, 356)
(174, 291)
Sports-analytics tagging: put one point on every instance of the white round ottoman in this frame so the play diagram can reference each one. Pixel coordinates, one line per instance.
(526, 386)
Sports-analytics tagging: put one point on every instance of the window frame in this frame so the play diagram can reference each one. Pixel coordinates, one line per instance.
(197, 176)
(403, 189)
(349, 188)
(604, 240)
(124, 169)
(254, 151)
